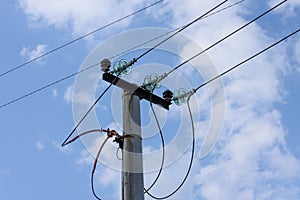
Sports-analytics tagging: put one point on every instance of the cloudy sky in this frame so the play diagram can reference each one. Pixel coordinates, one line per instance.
(257, 155)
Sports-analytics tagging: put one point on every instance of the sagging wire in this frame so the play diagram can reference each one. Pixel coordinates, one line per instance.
(191, 160)
(110, 133)
(163, 146)
(94, 168)
(117, 55)
(135, 60)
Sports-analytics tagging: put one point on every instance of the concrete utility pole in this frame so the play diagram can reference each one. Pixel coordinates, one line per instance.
(132, 164)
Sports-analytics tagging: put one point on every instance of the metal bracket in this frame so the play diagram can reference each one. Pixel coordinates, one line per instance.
(136, 90)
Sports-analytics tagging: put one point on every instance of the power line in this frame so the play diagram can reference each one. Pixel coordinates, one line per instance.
(94, 167)
(46, 86)
(131, 63)
(221, 40)
(110, 134)
(246, 60)
(95, 65)
(191, 160)
(77, 39)
(163, 148)
(180, 30)
(89, 110)
(176, 29)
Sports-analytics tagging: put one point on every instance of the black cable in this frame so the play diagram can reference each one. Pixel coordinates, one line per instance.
(246, 60)
(163, 151)
(176, 29)
(92, 66)
(180, 30)
(47, 86)
(89, 110)
(94, 168)
(131, 63)
(109, 135)
(77, 39)
(84, 133)
(224, 38)
(191, 160)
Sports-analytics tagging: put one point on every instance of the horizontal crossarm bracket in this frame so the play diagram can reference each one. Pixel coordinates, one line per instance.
(136, 90)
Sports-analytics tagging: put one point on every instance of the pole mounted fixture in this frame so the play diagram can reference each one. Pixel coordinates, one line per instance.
(168, 95)
(141, 92)
(105, 65)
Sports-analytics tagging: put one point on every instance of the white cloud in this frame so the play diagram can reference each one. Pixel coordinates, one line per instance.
(81, 15)
(297, 53)
(80, 97)
(40, 145)
(288, 9)
(85, 158)
(68, 95)
(39, 50)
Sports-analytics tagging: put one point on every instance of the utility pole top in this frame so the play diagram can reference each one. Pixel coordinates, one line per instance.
(134, 89)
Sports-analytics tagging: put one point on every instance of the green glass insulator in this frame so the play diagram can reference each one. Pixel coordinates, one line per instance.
(119, 67)
(150, 82)
(180, 96)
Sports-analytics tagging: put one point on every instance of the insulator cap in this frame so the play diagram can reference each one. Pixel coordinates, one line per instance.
(168, 95)
(105, 65)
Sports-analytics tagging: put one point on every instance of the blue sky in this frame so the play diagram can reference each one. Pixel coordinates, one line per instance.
(257, 155)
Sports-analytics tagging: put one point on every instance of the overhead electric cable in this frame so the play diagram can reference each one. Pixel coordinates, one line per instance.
(246, 60)
(132, 62)
(163, 149)
(77, 39)
(47, 86)
(95, 65)
(180, 30)
(216, 43)
(84, 133)
(84, 116)
(110, 134)
(176, 29)
(191, 160)
(94, 168)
